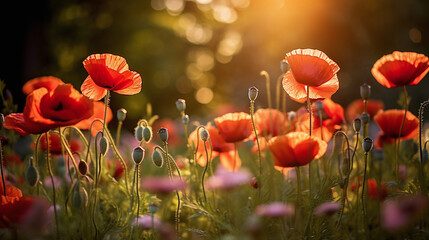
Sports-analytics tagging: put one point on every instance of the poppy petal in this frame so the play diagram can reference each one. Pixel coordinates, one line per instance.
(326, 90)
(135, 86)
(47, 82)
(16, 122)
(105, 68)
(295, 90)
(91, 90)
(230, 160)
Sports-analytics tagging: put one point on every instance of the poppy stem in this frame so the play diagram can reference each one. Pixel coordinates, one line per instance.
(118, 132)
(252, 110)
(400, 133)
(310, 111)
(48, 163)
(363, 199)
(1, 168)
(278, 93)
(299, 196)
(36, 160)
(138, 195)
(270, 105)
(204, 172)
(106, 105)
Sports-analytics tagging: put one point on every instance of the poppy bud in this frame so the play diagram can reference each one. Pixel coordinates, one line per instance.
(253, 93)
(365, 118)
(80, 198)
(181, 105)
(153, 207)
(425, 156)
(157, 158)
(204, 134)
(319, 105)
(367, 144)
(185, 119)
(121, 114)
(163, 134)
(31, 174)
(357, 124)
(291, 115)
(254, 182)
(284, 66)
(147, 134)
(138, 155)
(365, 91)
(139, 133)
(104, 146)
(83, 167)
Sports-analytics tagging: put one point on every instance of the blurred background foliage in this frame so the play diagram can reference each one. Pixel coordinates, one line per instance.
(209, 52)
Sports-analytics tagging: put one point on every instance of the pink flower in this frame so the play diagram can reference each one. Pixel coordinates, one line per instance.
(275, 210)
(327, 208)
(163, 185)
(226, 180)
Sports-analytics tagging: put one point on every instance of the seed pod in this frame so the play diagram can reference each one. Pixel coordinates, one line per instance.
(365, 118)
(254, 182)
(367, 144)
(104, 146)
(79, 198)
(185, 119)
(163, 134)
(284, 66)
(319, 105)
(147, 134)
(181, 105)
(139, 133)
(253, 93)
(291, 115)
(31, 174)
(204, 134)
(153, 207)
(121, 114)
(365, 91)
(138, 155)
(357, 123)
(83, 167)
(157, 158)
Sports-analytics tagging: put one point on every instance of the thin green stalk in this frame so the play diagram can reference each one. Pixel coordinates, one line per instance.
(170, 173)
(400, 134)
(118, 133)
(48, 164)
(138, 194)
(278, 93)
(106, 105)
(363, 199)
(36, 160)
(204, 172)
(252, 109)
(299, 196)
(270, 105)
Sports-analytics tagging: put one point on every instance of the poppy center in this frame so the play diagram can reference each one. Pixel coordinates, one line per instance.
(59, 107)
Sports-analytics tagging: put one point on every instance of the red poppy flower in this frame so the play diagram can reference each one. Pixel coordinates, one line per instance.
(55, 146)
(400, 69)
(98, 113)
(333, 116)
(228, 158)
(296, 149)
(356, 108)
(390, 122)
(311, 68)
(109, 72)
(47, 82)
(44, 110)
(376, 192)
(264, 118)
(234, 127)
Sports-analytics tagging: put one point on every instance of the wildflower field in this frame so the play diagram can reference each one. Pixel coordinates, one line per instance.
(75, 167)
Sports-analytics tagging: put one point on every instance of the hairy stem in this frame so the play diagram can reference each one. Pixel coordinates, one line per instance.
(48, 164)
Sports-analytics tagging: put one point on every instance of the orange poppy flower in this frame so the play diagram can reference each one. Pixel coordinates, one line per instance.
(47, 82)
(44, 110)
(356, 108)
(109, 72)
(333, 116)
(296, 149)
(228, 158)
(98, 113)
(400, 69)
(390, 122)
(313, 69)
(280, 124)
(234, 127)
(12, 194)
